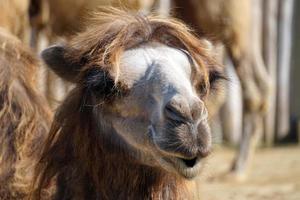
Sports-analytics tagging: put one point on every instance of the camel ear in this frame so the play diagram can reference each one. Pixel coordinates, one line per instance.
(55, 58)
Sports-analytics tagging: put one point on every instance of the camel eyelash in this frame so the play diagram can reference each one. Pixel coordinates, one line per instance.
(100, 84)
(216, 76)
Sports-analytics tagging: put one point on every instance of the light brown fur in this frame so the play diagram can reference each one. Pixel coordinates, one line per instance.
(24, 117)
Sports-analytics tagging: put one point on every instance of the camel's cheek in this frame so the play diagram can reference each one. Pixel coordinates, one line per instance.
(134, 131)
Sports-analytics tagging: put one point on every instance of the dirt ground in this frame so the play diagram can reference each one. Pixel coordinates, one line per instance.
(274, 175)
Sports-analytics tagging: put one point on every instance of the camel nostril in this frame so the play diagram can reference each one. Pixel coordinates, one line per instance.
(189, 162)
(175, 114)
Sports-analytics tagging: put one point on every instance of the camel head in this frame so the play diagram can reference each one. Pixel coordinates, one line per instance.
(149, 80)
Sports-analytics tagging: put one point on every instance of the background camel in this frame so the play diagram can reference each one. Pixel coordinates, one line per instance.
(24, 117)
(129, 129)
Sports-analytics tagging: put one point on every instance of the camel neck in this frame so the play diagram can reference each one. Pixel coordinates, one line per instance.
(123, 177)
(118, 176)
(134, 181)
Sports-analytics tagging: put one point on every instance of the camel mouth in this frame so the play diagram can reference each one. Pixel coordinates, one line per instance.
(186, 167)
(189, 162)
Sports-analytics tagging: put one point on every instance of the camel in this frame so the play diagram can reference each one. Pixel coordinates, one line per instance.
(136, 124)
(221, 21)
(24, 117)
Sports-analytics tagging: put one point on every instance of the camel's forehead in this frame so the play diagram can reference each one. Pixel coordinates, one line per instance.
(173, 64)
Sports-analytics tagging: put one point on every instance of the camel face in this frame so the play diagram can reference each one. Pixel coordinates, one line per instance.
(142, 88)
(162, 116)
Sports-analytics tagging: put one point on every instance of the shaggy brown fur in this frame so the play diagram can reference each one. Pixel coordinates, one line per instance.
(24, 118)
(86, 164)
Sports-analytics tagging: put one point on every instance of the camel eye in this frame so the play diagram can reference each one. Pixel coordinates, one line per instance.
(216, 77)
(99, 82)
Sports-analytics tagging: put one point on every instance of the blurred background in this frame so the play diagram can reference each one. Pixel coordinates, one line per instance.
(256, 125)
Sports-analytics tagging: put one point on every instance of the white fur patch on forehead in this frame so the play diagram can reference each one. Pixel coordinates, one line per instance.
(172, 62)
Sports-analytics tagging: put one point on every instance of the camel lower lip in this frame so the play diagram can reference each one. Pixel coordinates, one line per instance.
(180, 166)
